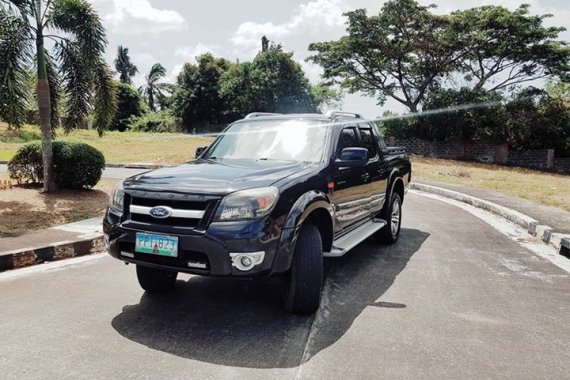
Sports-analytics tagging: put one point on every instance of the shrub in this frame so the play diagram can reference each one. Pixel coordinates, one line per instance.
(155, 122)
(76, 165)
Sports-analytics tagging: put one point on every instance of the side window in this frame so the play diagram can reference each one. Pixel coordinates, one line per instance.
(383, 146)
(368, 141)
(347, 139)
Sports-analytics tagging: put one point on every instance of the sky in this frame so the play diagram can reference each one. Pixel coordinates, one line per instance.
(173, 32)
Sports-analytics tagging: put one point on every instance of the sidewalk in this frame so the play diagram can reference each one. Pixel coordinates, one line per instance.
(556, 218)
(68, 240)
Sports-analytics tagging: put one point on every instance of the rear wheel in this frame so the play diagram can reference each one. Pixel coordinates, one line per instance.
(156, 280)
(393, 216)
(306, 281)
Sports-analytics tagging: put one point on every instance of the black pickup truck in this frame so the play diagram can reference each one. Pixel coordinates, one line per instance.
(272, 195)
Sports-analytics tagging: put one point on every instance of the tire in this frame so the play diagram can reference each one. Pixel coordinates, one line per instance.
(393, 216)
(156, 280)
(306, 280)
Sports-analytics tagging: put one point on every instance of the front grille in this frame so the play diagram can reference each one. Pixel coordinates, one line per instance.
(174, 201)
(177, 204)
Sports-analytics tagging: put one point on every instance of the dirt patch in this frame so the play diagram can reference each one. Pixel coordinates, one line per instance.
(24, 209)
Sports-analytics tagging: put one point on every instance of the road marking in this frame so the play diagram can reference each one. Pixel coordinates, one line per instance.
(53, 265)
(509, 229)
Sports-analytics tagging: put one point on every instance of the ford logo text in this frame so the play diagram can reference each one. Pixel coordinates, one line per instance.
(160, 212)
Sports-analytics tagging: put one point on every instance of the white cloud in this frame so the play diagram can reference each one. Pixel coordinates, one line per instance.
(132, 17)
(309, 20)
(191, 52)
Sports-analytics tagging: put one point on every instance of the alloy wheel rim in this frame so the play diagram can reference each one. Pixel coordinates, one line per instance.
(395, 222)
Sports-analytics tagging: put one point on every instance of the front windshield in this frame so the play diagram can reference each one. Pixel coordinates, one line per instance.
(276, 140)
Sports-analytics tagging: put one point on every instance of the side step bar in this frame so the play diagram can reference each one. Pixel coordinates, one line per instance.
(346, 242)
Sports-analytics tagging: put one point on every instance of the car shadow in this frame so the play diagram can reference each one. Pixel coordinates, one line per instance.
(241, 323)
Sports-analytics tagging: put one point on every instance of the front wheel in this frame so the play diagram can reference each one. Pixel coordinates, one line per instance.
(305, 284)
(393, 217)
(156, 280)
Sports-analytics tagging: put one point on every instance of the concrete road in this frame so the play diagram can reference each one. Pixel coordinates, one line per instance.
(453, 299)
(113, 173)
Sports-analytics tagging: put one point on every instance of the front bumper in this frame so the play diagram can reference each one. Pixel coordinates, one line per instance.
(207, 252)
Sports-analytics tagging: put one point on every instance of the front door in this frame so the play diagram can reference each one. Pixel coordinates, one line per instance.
(350, 196)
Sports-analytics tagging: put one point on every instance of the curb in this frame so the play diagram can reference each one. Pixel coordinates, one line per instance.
(56, 251)
(559, 241)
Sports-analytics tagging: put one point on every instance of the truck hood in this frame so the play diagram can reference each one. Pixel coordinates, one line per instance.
(218, 177)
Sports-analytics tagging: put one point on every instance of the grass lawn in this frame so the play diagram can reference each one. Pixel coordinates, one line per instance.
(540, 187)
(117, 147)
(24, 209)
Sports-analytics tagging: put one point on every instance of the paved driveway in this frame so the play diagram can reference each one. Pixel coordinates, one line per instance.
(453, 299)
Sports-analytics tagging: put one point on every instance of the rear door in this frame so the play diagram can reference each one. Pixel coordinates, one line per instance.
(376, 179)
(350, 196)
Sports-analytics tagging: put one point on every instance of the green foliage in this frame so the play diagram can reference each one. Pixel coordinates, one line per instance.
(217, 91)
(15, 53)
(76, 165)
(406, 51)
(159, 122)
(130, 104)
(124, 66)
(537, 121)
(531, 120)
(197, 96)
(505, 48)
(273, 82)
(463, 115)
(74, 71)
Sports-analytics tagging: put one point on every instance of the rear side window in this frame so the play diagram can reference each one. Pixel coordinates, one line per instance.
(368, 141)
(347, 139)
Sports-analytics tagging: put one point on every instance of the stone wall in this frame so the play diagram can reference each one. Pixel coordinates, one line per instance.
(538, 158)
(484, 151)
(562, 165)
(479, 151)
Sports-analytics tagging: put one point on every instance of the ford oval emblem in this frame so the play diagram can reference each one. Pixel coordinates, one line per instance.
(160, 212)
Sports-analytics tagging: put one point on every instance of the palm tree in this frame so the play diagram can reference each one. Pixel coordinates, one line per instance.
(74, 67)
(124, 66)
(152, 89)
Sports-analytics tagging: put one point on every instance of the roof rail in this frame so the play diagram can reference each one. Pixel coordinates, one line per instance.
(261, 114)
(335, 114)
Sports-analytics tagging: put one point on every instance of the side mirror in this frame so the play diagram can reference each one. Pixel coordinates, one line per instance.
(200, 150)
(352, 158)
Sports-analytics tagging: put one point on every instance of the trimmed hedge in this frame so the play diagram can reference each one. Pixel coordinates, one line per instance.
(76, 165)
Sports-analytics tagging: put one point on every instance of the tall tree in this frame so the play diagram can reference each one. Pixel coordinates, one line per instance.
(74, 66)
(197, 96)
(398, 53)
(507, 48)
(406, 50)
(124, 66)
(273, 82)
(152, 90)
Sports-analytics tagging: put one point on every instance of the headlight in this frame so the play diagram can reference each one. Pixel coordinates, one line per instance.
(117, 199)
(247, 204)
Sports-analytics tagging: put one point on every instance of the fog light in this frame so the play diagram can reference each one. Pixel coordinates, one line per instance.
(245, 261)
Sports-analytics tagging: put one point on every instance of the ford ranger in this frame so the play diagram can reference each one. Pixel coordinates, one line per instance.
(272, 195)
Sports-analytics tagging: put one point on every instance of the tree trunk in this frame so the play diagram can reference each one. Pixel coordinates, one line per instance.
(44, 109)
(151, 100)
